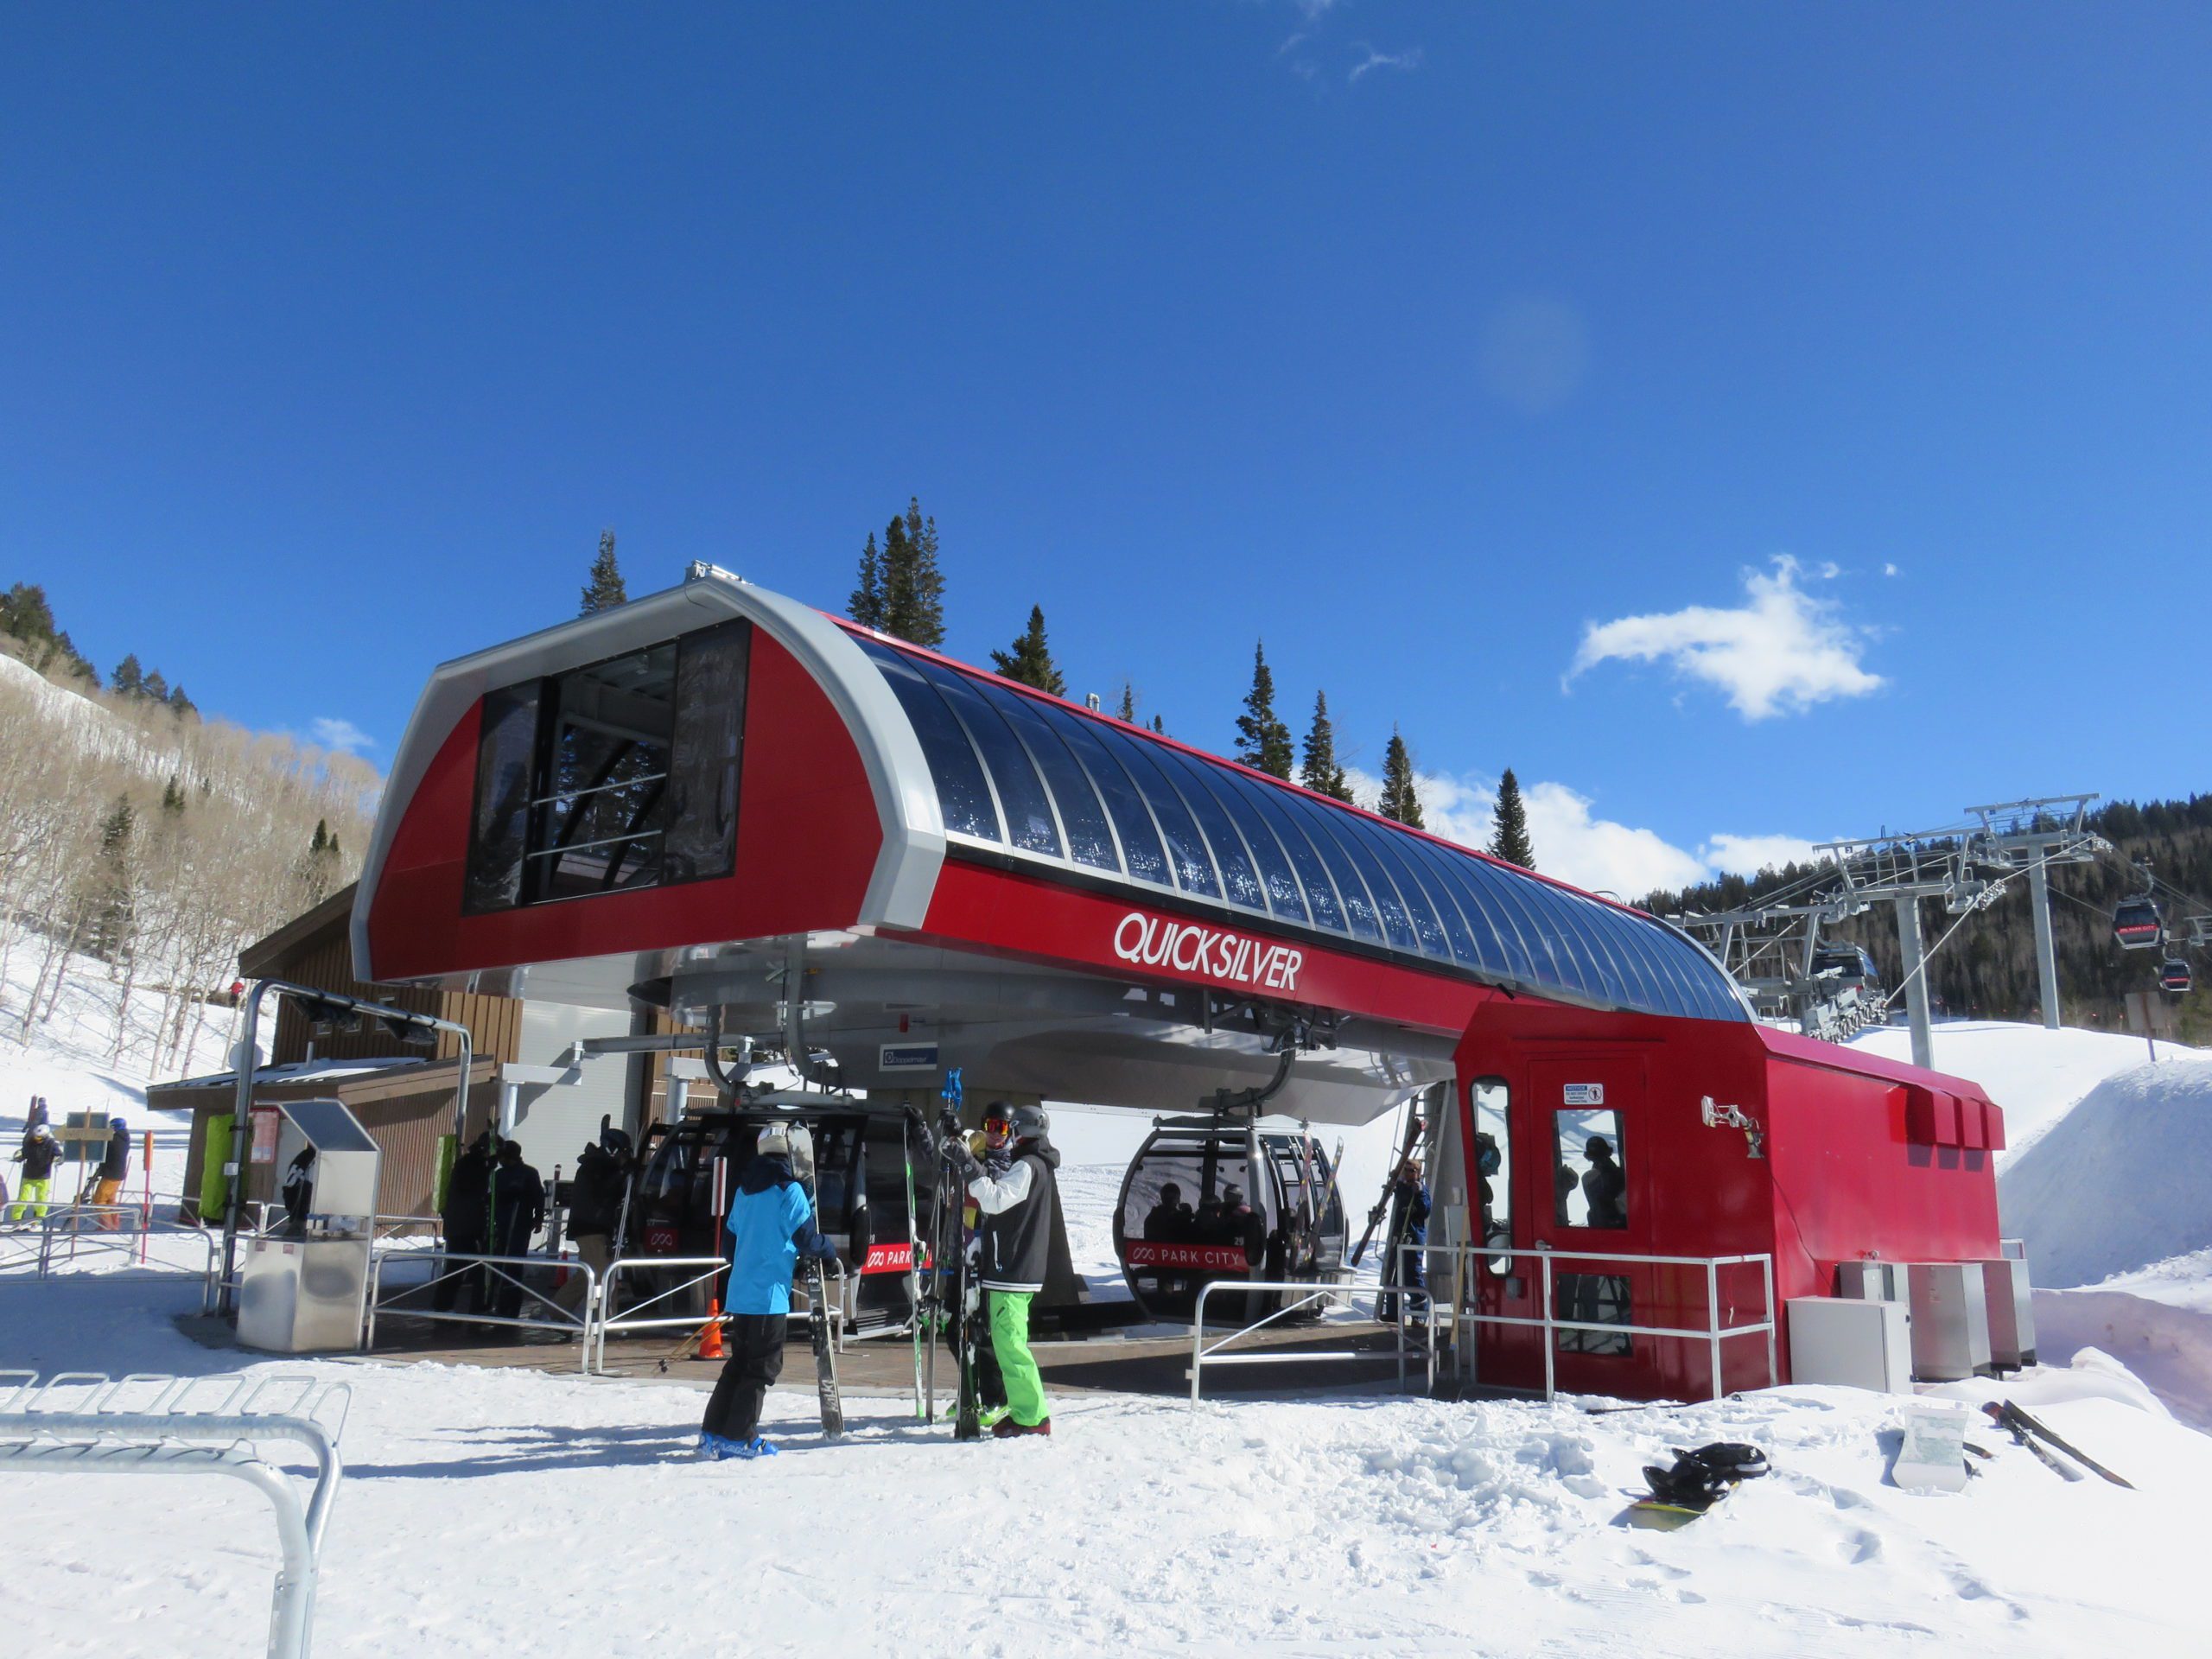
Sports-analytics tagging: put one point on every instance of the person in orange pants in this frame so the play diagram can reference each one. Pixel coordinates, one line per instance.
(115, 1167)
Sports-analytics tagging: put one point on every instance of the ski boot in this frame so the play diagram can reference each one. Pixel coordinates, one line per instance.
(755, 1447)
(1006, 1429)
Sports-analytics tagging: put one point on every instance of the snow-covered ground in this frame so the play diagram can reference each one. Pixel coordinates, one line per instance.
(488, 1512)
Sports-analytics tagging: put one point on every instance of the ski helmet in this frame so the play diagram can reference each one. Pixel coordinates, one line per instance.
(1030, 1123)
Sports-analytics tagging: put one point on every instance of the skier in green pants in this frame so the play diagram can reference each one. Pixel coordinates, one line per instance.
(1014, 1190)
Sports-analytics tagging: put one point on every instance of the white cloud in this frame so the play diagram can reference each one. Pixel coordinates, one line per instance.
(1781, 652)
(340, 734)
(1596, 854)
(1889, 570)
(1371, 60)
(1749, 854)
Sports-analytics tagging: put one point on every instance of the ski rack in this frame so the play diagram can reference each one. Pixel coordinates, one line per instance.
(86, 1422)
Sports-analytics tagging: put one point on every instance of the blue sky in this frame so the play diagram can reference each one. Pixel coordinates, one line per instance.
(1745, 422)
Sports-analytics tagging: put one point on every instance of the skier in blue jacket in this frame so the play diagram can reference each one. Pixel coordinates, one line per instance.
(771, 1225)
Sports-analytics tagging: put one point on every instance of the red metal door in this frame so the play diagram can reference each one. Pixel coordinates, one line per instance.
(1585, 1181)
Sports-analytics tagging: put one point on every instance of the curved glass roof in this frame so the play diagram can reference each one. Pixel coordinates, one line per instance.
(1038, 779)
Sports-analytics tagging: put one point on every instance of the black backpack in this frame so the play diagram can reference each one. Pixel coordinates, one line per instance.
(1700, 1479)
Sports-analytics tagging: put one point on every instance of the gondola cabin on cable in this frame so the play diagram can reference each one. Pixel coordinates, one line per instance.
(2135, 923)
(688, 1172)
(1851, 965)
(718, 808)
(2175, 977)
(1209, 1199)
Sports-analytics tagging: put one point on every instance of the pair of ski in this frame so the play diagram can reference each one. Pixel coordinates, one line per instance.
(958, 1307)
(2031, 1433)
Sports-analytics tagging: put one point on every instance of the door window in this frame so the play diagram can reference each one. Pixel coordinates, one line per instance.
(1589, 1171)
(1488, 1099)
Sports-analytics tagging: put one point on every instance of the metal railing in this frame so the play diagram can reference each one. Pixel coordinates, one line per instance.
(548, 1314)
(1204, 1353)
(36, 1248)
(703, 1270)
(87, 1423)
(1712, 1333)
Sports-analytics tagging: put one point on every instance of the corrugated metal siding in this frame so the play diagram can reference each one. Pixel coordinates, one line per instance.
(325, 961)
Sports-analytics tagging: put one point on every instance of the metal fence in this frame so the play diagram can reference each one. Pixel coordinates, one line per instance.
(480, 1274)
(703, 1270)
(41, 1247)
(1310, 1294)
(87, 1423)
(1465, 1259)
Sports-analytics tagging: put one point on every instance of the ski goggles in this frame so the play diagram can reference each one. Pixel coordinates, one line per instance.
(998, 1129)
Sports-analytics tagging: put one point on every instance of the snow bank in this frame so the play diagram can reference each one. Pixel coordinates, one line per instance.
(2123, 1180)
(2036, 1075)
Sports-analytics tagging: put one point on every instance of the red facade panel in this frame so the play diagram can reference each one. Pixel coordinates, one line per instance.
(807, 840)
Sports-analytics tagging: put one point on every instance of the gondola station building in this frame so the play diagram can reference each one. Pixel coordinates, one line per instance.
(756, 819)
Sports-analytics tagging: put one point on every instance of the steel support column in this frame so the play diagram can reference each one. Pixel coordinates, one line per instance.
(2046, 958)
(1915, 980)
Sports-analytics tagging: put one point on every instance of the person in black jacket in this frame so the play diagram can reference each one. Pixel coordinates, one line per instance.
(518, 1212)
(40, 1153)
(114, 1169)
(1410, 1210)
(298, 1193)
(595, 1207)
(466, 1215)
(1014, 1240)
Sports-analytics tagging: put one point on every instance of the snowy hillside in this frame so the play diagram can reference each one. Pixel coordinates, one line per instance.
(2036, 1075)
(2123, 1180)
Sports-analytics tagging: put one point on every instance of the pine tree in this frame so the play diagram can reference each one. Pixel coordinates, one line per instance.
(1509, 835)
(1262, 740)
(605, 590)
(172, 798)
(1320, 772)
(1401, 799)
(319, 868)
(866, 605)
(154, 688)
(115, 919)
(128, 679)
(912, 585)
(1128, 709)
(1159, 725)
(180, 704)
(1030, 661)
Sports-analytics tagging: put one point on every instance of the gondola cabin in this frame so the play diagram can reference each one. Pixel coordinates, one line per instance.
(2175, 977)
(1209, 1199)
(687, 1172)
(2136, 924)
(1853, 968)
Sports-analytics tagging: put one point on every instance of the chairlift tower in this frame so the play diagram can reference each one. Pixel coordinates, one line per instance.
(1904, 869)
(2038, 834)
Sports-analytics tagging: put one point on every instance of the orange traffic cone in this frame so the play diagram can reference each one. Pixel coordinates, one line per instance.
(710, 1334)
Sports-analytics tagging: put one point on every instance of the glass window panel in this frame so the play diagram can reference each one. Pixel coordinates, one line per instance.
(1569, 950)
(1276, 873)
(963, 795)
(1360, 910)
(1193, 864)
(1451, 905)
(1631, 938)
(1090, 841)
(1589, 1171)
(1240, 882)
(1397, 926)
(710, 667)
(1600, 971)
(1391, 847)
(1474, 881)
(1146, 854)
(1515, 897)
(1022, 801)
(1593, 1299)
(507, 749)
(597, 823)
(1274, 805)
(1488, 1099)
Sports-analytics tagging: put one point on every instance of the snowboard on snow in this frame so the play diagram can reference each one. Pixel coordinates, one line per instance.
(1696, 1485)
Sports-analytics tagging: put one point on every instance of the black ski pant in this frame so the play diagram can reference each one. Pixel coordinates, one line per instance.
(756, 1360)
(990, 1384)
